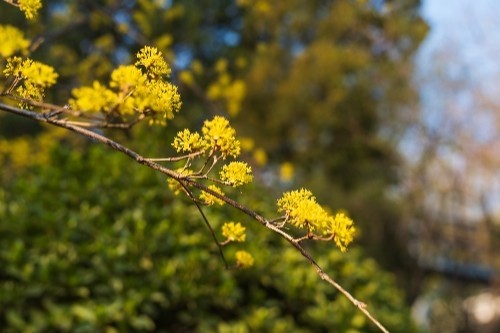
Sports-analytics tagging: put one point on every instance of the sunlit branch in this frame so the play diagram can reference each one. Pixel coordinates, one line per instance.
(176, 158)
(279, 222)
(314, 237)
(12, 2)
(188, 182)
(52, 110)
(210, 179)
(224, 243)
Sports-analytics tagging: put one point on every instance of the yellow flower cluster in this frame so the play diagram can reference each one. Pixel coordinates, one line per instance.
(209, 199)
(342, 228)
(152, 60)
(220, 136)
(97, 98)
(157, 96)
(234, 232)
(185, 141)
(126, 78)
(133, 90)
(30, 7)
(302, 210)
(244, 259)
(12, 41)
(33, 75)
(217, 137)
(236, 173)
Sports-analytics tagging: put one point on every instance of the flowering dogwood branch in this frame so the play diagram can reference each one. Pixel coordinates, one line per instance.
(288, 202)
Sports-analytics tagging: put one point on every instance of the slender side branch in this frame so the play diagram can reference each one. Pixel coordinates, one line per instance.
(176, 158)
(212, 232)
(55, 110)
(185, 182)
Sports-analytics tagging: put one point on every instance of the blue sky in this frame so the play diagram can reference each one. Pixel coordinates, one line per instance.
(458, 76)
(473, 29)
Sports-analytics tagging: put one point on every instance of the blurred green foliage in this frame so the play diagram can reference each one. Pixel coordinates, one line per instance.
(94, 243)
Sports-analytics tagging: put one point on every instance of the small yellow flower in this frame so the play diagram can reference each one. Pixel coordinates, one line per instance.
(30, 7)
(33, 71)
(343, 230)
(14, 67)
(158, 96)
(12, 41)
(33, 75)
(291, 201)
(152, 60)
(126, 78)
(302, 210)
(30, 91)
(39, 74)
(185, 141)
(236, 173)
(244, 259)
(210, 199)
(97, 98)
(234, 232)
(219, 136)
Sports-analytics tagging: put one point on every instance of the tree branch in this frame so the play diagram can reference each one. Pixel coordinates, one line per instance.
(190, 182)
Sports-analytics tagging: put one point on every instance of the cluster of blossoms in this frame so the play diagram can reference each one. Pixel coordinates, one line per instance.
(236, 173)
(234, 232)
(13, 41)
(30, 8)
(302, 211)
(300, 208)
(244, 259)
(137, 88)
(217, 137)
(30, 77)
(217, 140)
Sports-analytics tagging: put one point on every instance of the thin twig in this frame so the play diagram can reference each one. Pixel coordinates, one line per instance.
(213, 180)
(11, 2)
(212, 232)
(176, 158)
(212, 154)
